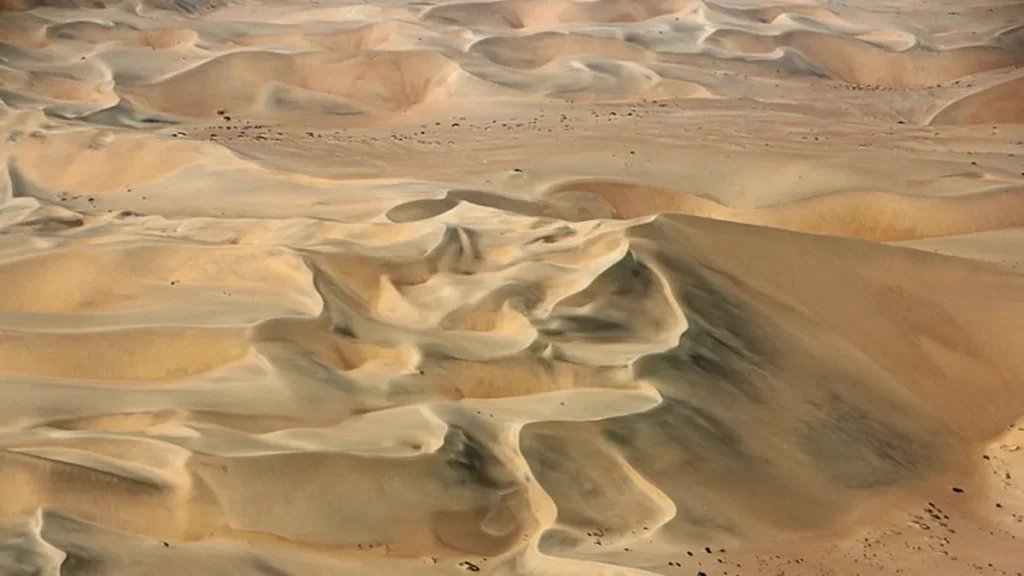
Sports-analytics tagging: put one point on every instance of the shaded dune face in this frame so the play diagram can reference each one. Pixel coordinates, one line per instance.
(518, 287)
(761, 422)
(762, 393)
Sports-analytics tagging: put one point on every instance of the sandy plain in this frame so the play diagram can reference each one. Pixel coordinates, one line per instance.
(517, 287)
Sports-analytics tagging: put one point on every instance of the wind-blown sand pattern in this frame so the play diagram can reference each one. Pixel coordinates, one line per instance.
(518, 287)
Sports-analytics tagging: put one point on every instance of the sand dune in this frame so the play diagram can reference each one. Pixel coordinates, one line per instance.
(868, 215)
(996, 104)
(536, 50)
(388, 80)
(524, 14)
(424, 56)
(94, 33)
(520, 287)
(858, 61)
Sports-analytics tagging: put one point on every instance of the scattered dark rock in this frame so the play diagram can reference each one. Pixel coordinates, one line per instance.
(958, 489)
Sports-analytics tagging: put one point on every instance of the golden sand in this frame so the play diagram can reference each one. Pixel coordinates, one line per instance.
(523, 287)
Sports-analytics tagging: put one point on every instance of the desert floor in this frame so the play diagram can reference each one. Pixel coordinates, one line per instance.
(517, 287)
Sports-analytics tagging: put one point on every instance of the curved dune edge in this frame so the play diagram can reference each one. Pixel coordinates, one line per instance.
(756, 353)
(378, 69)
(860, 62)
(403, 78)
(156, 39)
(525, 14)
(999, 104)
(874, 216)
(877, 216)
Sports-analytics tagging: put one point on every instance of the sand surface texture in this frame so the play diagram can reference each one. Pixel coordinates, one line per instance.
(517, 287)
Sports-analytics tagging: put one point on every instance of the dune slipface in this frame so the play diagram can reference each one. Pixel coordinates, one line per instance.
(517, 287)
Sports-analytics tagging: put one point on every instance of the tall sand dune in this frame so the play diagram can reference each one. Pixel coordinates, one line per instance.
(998, 104)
